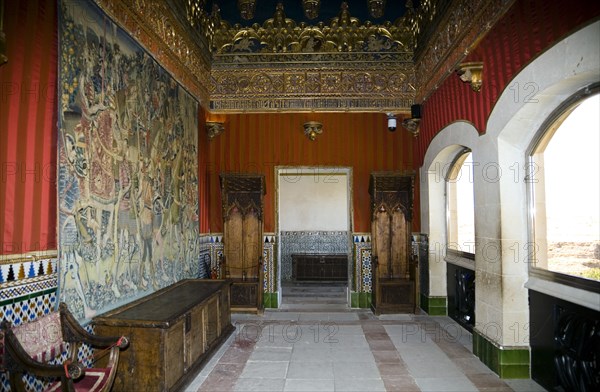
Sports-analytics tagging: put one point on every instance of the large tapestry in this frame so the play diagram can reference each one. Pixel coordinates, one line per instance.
(127, 164)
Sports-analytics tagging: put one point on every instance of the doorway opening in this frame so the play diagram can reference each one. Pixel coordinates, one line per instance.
(314, 227)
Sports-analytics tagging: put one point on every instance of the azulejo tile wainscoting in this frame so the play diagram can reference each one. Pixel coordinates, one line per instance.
(360, 294)
(337, 242)
(28, 291)
(212, 252)
(314, 242)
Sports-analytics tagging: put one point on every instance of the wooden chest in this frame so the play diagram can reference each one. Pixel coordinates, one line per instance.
(172, 333)
(320, 267)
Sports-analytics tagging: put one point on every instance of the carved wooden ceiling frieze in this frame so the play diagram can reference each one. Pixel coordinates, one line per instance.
(282, 65)
(451, 38)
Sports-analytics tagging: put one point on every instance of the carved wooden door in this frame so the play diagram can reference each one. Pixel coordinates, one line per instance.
(392, 281)
(242, 197)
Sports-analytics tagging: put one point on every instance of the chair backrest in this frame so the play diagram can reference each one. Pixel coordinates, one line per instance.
(29, 348)
(42, 338)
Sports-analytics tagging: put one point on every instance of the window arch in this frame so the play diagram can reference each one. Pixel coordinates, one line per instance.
(460, 206)
(564, 179)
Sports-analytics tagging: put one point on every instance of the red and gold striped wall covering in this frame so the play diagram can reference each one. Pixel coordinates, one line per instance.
(203, 193)
(251, 142)
(28, 128)
(259, 142)
(528, 28)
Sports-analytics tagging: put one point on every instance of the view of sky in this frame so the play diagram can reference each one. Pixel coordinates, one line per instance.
(572, 165)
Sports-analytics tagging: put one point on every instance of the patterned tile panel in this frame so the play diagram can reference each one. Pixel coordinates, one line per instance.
(269, 255)
(319, 242)
(362, 257)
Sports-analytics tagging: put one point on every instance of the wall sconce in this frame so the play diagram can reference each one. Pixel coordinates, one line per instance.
(312, 129)
(471, 73)
(311, 8)
(3, 58)
(412, 124)
(247, 8)
(214, 129)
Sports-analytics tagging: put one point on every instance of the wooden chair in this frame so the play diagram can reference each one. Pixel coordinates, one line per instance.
(29, 347)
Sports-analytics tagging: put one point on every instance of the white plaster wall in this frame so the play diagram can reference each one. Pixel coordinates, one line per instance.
(311, 200)
(561, 71)
(439, 156)
(501, 220)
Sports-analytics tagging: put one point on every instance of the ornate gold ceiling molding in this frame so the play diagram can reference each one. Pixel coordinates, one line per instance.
(450, 39)
(284, 66)
(283, 35)
(154, 24)
(294, 87)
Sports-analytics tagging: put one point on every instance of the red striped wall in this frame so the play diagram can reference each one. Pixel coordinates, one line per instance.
(28, 128)
(252, 142)
(203, 191)
(527, 29)
(256, 143)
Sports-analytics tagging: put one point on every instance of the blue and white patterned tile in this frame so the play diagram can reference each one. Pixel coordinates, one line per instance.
(319, 242)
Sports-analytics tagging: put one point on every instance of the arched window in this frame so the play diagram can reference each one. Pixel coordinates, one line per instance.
(460, 206)
(564, 177)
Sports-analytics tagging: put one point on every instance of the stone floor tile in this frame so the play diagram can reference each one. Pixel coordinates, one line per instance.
(425, 368)
(348, 316)
(349, 330)
(259, 385)
(486, 381)
(471, 366)
(271, 354)
(303, 385)
(386, 356)
(265, 369)
(445, 384)
(355, 341)
(400, 384)
(282, 316)
(524, 385)
(346, 370)
(347, 350)
(344, 354)
(382, 345)
(217, 386)
(359, 385)
(310, 356)
(226, 371)
(316, 369)
(392, 369)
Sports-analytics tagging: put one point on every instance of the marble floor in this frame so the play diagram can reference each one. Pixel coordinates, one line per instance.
(337, 349)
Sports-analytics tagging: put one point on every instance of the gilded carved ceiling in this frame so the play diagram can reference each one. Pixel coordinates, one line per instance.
(299, 64)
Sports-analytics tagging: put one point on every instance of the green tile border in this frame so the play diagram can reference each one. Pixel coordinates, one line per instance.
(354, 299)
(26, 297)
(270, 300)
(434, 306)
(364, 300)
(360, 300)
(504, 361)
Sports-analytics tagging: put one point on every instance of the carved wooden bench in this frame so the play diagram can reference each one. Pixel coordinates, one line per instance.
(29, 347)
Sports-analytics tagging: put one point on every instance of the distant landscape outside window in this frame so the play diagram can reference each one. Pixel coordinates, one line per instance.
(565, 174)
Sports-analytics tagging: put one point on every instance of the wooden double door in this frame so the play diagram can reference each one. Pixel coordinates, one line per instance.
(242, 263)
(393, 271)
